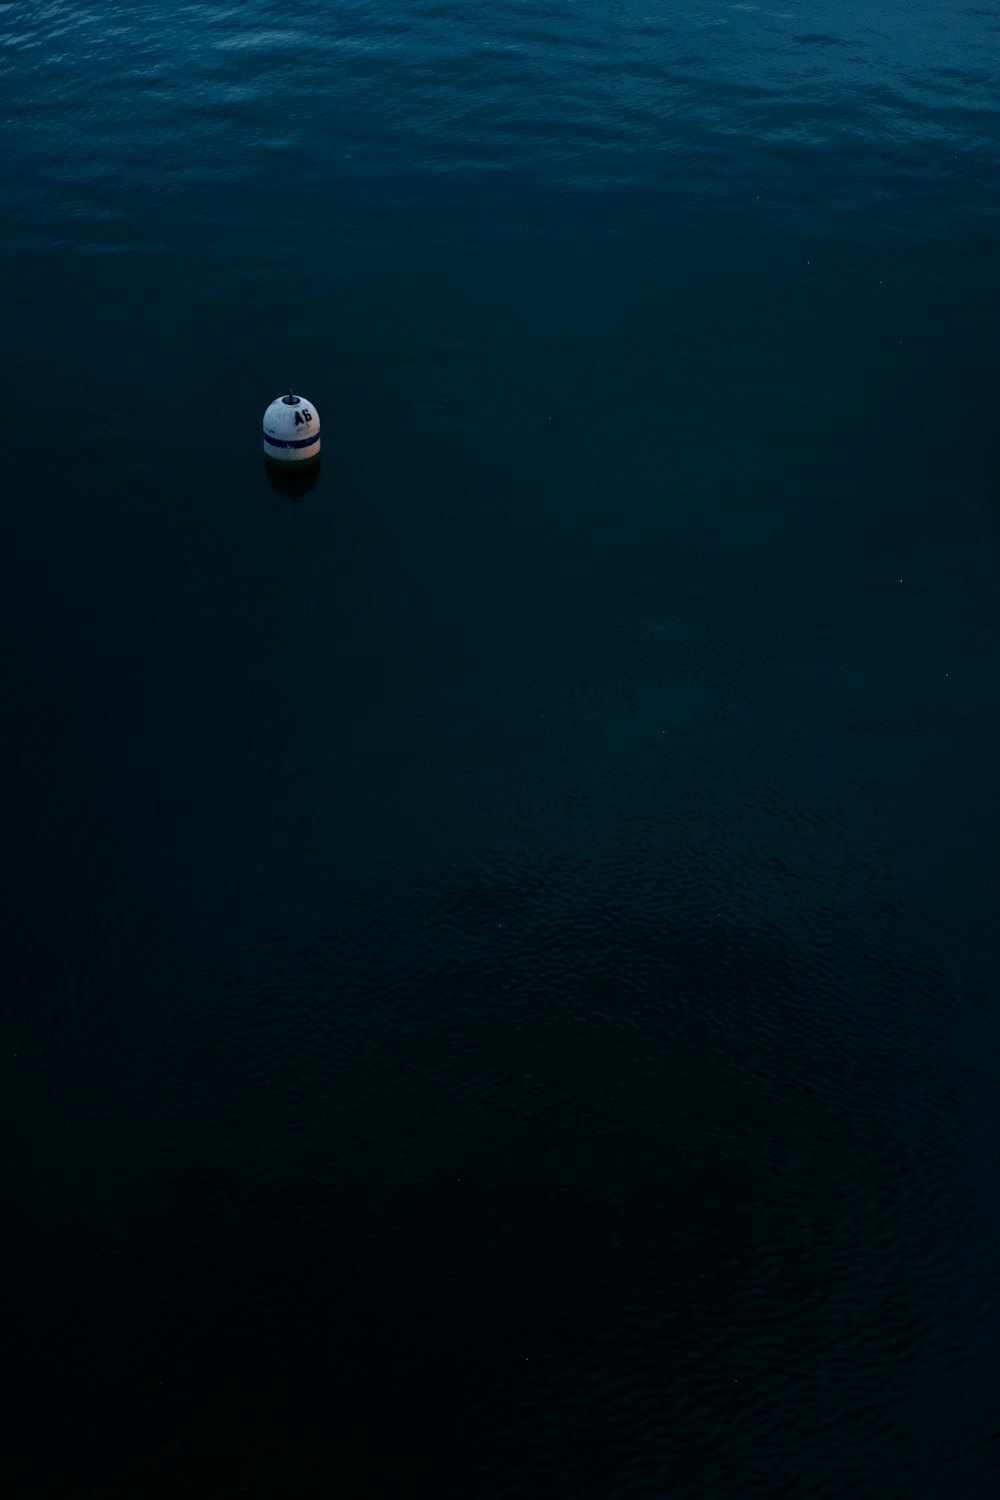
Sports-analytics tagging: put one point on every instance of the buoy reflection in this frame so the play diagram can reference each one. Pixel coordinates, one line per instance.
(292, 481)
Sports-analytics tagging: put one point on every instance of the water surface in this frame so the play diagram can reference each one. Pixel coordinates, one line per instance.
(502, 950)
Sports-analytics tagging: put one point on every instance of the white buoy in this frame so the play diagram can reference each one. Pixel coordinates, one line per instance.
(291, 430)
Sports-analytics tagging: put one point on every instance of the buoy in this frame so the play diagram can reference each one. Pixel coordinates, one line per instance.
(291, 430)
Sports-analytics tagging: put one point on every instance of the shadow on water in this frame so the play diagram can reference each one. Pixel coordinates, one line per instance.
(417, 1288)
(293, 482)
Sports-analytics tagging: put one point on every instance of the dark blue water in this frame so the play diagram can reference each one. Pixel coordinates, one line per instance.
(502, 951)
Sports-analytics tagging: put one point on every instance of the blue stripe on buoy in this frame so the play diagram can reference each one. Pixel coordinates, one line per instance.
(291, 442)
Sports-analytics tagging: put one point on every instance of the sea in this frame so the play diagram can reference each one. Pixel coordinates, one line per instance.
(501, 995)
